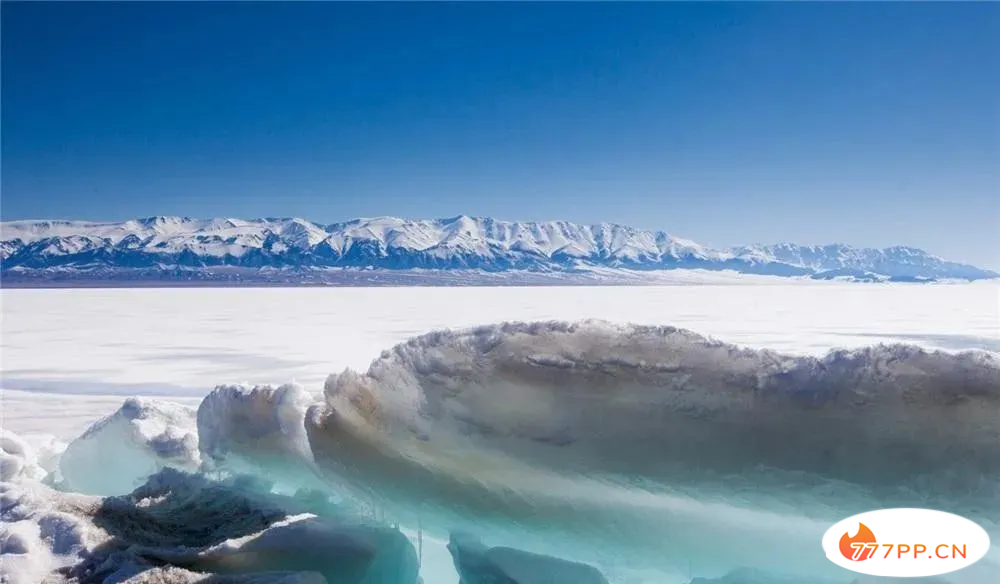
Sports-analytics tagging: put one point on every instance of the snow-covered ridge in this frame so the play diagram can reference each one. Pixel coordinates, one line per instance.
(458, 243)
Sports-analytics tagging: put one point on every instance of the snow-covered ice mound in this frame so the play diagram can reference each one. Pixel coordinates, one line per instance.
(657, 402)
(583, 392)
(119, 452)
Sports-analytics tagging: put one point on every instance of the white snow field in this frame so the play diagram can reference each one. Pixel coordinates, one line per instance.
(635, 452)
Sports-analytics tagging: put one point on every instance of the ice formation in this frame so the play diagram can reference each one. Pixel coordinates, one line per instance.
(195, 526)
(587, 452)
(259, 424)
(119, 452)
(592, 397)
(635, 436)
(479, 564)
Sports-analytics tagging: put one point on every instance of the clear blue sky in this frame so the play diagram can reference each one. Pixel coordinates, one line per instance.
(872, 124)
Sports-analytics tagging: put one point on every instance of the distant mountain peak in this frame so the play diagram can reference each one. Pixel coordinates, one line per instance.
(461, 242)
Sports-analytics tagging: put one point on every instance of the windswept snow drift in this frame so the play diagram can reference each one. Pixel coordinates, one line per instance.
(610, 452)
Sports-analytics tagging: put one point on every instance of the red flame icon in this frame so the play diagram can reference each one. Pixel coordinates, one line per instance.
(860, 547)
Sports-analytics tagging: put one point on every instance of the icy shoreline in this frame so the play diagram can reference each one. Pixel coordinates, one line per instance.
(236, 277)
(649, 454)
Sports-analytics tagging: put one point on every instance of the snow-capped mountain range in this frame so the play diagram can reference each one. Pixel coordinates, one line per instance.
(163, 247)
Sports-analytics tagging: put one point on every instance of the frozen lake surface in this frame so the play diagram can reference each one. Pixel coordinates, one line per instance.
(183, 342)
